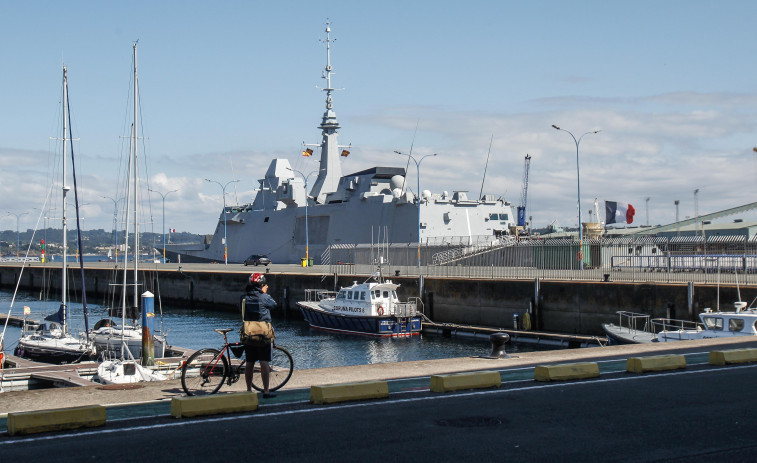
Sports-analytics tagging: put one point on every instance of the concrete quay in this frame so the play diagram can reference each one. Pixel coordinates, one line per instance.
(47, 399)
(576, 307)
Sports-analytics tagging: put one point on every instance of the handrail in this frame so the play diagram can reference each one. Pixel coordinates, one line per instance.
(672, 324)
(632, 319)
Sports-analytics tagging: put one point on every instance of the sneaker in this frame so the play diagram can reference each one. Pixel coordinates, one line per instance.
(270, 395)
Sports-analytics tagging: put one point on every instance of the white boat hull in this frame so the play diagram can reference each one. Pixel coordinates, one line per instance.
(125, 372)
(108, 342)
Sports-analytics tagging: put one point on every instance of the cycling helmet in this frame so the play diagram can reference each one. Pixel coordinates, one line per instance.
(257, 279)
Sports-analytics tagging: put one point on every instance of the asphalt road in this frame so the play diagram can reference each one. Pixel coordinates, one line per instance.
(702, 413)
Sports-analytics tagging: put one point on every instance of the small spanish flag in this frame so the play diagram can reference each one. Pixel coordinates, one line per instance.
(307, 152)
(345, 153)
(27, 310)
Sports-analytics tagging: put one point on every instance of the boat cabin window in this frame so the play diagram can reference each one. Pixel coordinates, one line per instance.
(340, 295)
(713, 323)
(362, 295)
(736, 324)
(349, 295)
(394, 295)
(386, 294)
(376, 294)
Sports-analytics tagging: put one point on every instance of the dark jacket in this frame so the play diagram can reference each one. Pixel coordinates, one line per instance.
(257, 305)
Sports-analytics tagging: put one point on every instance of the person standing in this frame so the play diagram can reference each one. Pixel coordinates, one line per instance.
(257, 307)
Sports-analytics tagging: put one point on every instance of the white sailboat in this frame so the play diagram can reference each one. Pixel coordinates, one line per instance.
(51, 342)
(126, 369)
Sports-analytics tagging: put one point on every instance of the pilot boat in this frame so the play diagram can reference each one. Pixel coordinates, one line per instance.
(371, 308)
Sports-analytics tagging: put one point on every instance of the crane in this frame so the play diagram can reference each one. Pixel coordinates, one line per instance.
(524, 194)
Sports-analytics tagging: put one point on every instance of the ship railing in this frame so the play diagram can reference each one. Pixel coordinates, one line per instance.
(405, 309)
(317, 295)
(419, 307)
(19, 259)
(672, 326)
(634, 322)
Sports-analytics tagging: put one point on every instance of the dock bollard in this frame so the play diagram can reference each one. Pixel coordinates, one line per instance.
(498, 341)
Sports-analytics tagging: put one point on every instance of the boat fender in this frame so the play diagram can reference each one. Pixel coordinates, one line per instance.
(380, 310)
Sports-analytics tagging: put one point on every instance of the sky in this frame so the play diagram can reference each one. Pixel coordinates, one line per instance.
(226, 86)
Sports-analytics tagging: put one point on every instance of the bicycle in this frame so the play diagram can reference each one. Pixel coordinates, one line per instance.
(206, 370)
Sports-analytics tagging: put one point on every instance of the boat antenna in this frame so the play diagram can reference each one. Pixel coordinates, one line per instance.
(486, 167)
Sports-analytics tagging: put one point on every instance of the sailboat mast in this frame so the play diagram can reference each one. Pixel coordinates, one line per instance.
(136, 190)
(65, 191)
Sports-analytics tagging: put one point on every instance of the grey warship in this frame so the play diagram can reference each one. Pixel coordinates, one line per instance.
(359, 208)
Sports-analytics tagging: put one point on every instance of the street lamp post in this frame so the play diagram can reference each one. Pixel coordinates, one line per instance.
(115, 223)
(418, 193)
(578, 177)
(677, 202)
(164, 217)
(223, 190)
(307, 200)
(18, 234)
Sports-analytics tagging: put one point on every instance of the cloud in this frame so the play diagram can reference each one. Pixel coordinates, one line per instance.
(659, 146)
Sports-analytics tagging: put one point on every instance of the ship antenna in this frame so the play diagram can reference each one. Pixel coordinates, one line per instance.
(328, 69)
(407, 166)
(486, 167)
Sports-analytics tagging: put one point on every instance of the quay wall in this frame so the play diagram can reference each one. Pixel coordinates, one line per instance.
(573, 307)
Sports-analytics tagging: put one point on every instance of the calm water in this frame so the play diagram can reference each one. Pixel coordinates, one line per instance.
(310, 348)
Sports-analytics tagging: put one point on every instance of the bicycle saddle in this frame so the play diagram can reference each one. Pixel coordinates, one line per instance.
(224, 330)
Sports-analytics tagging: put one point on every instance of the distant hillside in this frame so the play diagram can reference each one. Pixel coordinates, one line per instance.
(94, 241)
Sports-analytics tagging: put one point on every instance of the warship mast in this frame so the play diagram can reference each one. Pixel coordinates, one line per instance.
(330, 168)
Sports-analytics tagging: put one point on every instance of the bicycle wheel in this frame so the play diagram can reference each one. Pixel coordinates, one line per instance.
(281, 365)
(204, 372)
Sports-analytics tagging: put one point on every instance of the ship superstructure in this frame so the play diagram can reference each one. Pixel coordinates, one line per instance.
(341, 209)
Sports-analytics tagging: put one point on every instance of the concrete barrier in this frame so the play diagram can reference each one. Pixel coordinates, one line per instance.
(349, 391)
(565, 371)
(215, 404)
(476, 380)
(655, 363)
(725, 357)
(55, 420)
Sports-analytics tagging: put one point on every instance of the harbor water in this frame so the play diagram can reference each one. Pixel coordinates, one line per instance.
(309, 347)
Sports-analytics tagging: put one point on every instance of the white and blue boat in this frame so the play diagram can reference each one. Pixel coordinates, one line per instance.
(371, 308)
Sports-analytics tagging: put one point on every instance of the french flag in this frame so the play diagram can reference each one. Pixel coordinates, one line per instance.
(618, 212)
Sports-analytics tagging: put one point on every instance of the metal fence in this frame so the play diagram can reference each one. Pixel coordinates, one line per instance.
(728, 260)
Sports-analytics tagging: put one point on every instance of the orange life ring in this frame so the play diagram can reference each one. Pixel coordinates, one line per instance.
(380, 310)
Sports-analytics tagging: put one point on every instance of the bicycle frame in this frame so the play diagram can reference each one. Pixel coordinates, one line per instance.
(234, 371)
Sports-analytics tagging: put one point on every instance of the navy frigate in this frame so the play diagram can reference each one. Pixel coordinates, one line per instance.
(288, 223)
